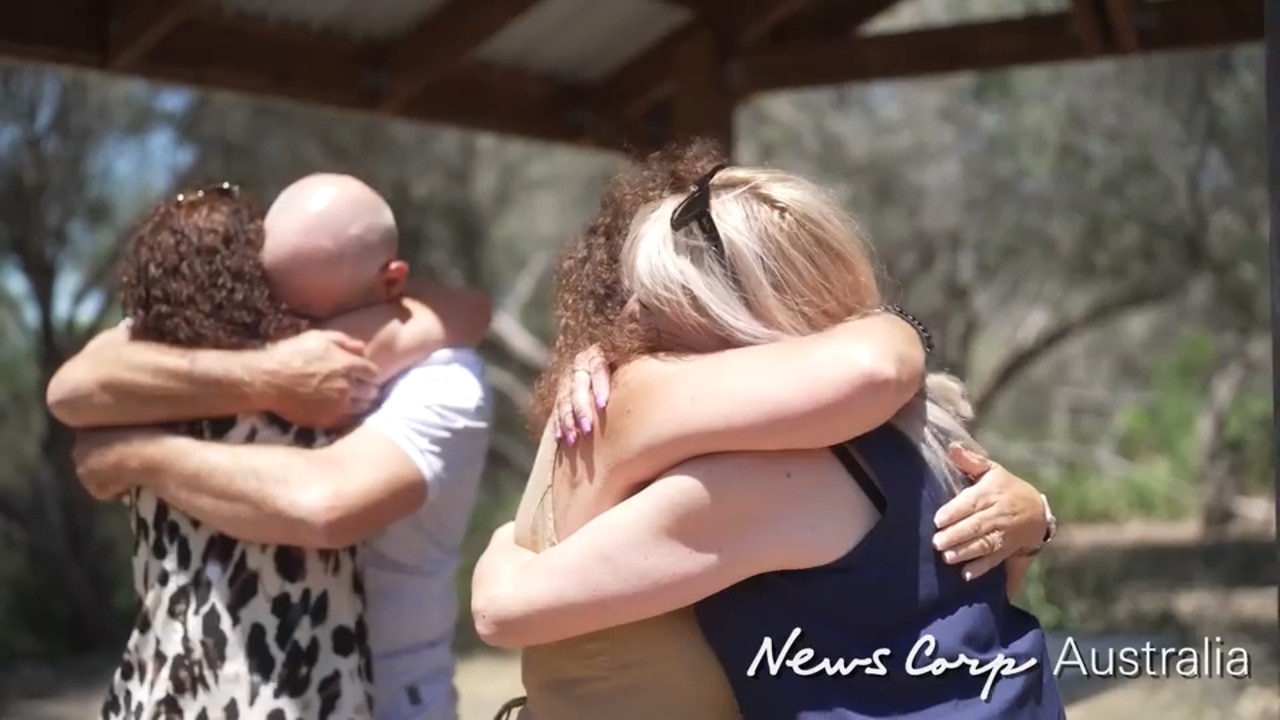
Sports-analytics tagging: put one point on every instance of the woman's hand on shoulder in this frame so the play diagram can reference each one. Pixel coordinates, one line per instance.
(997, 517)
(581, 394)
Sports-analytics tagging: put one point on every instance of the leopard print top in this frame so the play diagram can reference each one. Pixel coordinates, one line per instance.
(238, 630)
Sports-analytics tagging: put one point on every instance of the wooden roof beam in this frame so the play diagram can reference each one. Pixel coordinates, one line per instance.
(1123, 29)
(639, 84)
(495, 99)
(243, 54)
(694, 6)
(1172, 25)
(834, 19)
(137, 25)
(1090, 25)
(440, 42)
(749, 21)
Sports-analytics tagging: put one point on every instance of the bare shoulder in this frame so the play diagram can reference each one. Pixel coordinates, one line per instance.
(649, 380)
(645, 370)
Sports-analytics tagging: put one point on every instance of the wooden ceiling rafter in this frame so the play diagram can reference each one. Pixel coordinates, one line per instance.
(1123, 27)
(1090, 22)
(431, 74)
(750, 21)
(440, 42)
(694, 6)
(638, 85)
(833, 19)
(1171, 25)
(137, 25)
(238, 52)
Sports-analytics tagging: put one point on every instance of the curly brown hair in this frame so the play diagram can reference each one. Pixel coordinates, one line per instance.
(589, 297)
(192, 275)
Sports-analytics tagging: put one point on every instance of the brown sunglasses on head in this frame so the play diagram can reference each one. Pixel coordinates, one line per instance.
(222, 189)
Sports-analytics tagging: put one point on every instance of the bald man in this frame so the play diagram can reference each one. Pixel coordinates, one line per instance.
(335, 242)
(404, 481)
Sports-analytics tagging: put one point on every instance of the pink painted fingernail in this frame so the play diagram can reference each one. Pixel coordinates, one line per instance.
(602, 399)
(949, 556)
(570, 437)
(585, 424)
(558, 436)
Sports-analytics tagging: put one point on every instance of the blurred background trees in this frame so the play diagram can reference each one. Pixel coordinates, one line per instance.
(1087, 242)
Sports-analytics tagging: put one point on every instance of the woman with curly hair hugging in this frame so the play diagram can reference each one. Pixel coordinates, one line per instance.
(229, 628)
(742, 313)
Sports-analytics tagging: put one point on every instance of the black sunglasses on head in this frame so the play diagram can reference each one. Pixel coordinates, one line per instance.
(696, 209)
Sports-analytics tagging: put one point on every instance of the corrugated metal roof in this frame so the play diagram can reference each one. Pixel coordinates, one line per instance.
(582, 40)
(363, 19)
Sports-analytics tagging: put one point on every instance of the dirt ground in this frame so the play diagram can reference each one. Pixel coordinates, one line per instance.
(1242, 613)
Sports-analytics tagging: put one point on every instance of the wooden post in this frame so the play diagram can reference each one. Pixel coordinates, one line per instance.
(1272, 25)
(703, 102)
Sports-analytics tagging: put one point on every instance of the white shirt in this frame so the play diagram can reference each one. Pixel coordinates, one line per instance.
(438, 412)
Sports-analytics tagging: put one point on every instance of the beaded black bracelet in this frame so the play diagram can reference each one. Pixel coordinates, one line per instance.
(925, 337)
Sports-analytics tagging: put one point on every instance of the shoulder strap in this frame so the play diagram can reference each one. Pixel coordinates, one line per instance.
(860, 475)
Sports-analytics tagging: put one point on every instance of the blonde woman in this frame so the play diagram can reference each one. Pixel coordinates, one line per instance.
(813, 572)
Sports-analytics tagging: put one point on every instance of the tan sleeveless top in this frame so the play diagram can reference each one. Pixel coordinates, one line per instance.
(656, 669)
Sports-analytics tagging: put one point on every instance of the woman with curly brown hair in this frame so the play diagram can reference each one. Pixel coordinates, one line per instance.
(804, 377)
(231, 628)
(402, 482)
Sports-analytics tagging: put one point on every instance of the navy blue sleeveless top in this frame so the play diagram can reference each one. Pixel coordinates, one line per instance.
(888, 630)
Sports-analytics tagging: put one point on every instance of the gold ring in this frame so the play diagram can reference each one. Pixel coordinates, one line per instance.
(997, 539)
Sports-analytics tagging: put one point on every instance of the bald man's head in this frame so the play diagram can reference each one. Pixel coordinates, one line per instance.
(331, 246)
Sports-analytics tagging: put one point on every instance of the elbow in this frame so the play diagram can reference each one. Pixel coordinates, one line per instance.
(68, 396)
(502, 608)
(493, 631)
(496, 625)
(896, 375)
(323, 520)
(345, 499)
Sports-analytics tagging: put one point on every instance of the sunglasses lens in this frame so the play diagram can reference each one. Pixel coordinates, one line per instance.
(223, 189)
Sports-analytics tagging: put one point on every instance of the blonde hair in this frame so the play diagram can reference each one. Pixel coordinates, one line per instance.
(793, 263)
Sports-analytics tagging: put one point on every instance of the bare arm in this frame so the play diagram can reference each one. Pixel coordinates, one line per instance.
(708, 524)
(464, 313)
(397, 335)
(808, 392)
(115, 381)
(328, 497)
(434, 417)
(705, 526)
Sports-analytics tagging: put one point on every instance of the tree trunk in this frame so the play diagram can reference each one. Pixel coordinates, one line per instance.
(62, 530)
(61, 536)
(1218, 483)
(1023, 358)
